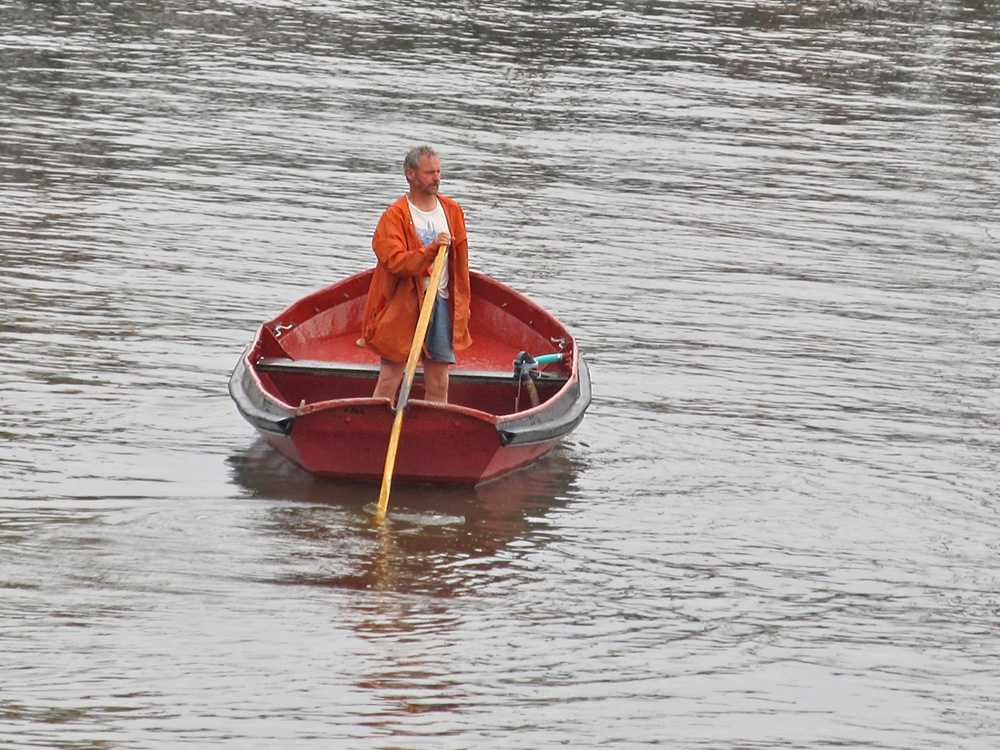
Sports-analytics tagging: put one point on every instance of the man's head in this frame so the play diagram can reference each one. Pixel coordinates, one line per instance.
(412, 160)
(422, 167)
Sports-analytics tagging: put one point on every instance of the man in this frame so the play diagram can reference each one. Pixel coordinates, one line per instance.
(406, 242)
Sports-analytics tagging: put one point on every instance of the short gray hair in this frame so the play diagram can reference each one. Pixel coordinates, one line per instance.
(412, 160)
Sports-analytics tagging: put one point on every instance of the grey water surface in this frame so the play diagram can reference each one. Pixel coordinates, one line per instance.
(772, 226)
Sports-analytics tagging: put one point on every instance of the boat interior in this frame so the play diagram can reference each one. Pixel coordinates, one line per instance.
(311, 354)
(340, 369)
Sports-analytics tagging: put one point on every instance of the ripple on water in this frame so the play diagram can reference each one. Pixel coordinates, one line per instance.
(772, 230)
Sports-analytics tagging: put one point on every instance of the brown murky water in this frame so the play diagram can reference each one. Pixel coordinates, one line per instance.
(773, 228)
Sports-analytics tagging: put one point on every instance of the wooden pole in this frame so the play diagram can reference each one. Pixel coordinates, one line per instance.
(430, 296)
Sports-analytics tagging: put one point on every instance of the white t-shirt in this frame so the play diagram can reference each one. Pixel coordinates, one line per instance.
(429, 224)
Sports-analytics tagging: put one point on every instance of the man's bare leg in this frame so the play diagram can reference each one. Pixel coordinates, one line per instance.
(390, 376)
(436, 381)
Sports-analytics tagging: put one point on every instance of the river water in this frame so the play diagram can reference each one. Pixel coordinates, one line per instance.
(773, 228)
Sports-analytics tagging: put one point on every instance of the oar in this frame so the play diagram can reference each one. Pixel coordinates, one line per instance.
(524, 366)
(411, 370)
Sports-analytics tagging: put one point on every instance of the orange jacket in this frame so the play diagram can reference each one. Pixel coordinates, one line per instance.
(396, 291)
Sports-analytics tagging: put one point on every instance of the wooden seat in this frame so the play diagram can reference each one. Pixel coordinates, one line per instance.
(370, 371)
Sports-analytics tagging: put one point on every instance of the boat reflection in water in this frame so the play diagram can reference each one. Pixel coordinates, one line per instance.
(406, 581)
(430, 541)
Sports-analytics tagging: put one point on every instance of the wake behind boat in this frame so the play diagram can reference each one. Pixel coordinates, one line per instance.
(306, 385)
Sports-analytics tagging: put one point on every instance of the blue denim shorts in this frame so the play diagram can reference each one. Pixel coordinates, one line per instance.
(437, 344)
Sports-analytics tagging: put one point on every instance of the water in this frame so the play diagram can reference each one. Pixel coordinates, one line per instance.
(772, 227)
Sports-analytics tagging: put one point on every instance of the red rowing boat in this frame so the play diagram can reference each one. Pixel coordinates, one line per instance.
(306, 385)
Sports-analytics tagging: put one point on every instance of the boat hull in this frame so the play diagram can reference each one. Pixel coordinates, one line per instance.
(436, 445)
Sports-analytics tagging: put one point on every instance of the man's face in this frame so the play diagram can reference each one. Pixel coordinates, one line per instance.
(427, 176)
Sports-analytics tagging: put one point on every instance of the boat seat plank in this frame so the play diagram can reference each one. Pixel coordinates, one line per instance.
(370, 371)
